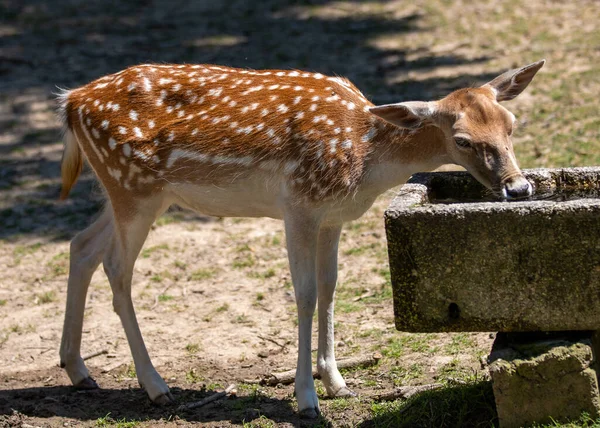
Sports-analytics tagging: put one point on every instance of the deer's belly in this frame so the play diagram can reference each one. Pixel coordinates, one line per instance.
(243, 198)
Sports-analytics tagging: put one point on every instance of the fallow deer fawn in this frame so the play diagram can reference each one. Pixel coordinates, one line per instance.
(302, 147)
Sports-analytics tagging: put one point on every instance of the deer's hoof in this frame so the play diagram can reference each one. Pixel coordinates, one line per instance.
(345, 392)
(310, 413)
(164, 399)
(87, 383)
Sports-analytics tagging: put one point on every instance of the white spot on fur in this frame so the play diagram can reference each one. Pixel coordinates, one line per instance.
(95, 133)
(253, 89)
(313, 107)
(318, 76)
(346, 144)
(282, 108)
(299, 115)
(104, 124)
(133, 115)
(164, 81)
(369, 135)
(333, 145)
(297, 100)
(138, 132)
(147, 84)
(122, 130)
(126, 149)
(264, 112)
(114, 173)
(151, 124)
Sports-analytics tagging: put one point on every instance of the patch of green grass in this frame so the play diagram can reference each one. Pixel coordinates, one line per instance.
(399, 344)
(131, 373)
(241, 319)
(260, 297)
(214, 386)
(454, 370)
(59, 264)
(2, 302)
(45, 297)
(470, 405)
(223, 308)
(269, 273)
(260, 422)
(346, 306)
(584, 421)
(147, 252)
(170, 217)
(340, 404)
(357, 251)
(192, 348)
(461, 342)
(200, 274)
(192, 377)
(406, 375)
(107, 421)
(23, 250)
(165, 297)
(244, 261)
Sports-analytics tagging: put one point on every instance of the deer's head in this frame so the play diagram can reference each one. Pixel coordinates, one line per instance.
(476, 128)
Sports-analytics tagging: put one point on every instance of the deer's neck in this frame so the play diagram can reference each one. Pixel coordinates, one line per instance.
(396, 154)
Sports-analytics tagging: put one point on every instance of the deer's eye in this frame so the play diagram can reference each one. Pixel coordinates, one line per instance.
(463, 143)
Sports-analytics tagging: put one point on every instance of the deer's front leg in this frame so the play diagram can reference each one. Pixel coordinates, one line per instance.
(327, 252)
(301, 230)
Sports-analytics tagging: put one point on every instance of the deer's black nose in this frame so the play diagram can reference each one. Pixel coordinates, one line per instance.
(518, 187)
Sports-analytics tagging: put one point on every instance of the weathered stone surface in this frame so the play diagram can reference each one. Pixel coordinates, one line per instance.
(536, 381)
(496, 266)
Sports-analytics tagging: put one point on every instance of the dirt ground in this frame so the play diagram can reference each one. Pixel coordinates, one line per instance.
(213, 296)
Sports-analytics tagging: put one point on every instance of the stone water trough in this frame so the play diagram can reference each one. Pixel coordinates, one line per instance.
(461, 260)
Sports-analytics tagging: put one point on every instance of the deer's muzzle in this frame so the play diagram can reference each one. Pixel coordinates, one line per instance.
(517, 187)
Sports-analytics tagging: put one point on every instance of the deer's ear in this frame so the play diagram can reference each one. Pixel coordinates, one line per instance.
(510, 84)
(409, 115)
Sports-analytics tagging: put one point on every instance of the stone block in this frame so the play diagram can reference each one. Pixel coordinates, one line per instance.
(460, 261)
(537, 381)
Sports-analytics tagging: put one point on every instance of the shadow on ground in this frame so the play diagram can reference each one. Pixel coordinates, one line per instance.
(461, 405)
(67, 43)
(469, 405)
(132, 404)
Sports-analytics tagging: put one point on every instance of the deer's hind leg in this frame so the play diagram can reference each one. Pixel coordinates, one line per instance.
(87, 249)
(131, 229)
